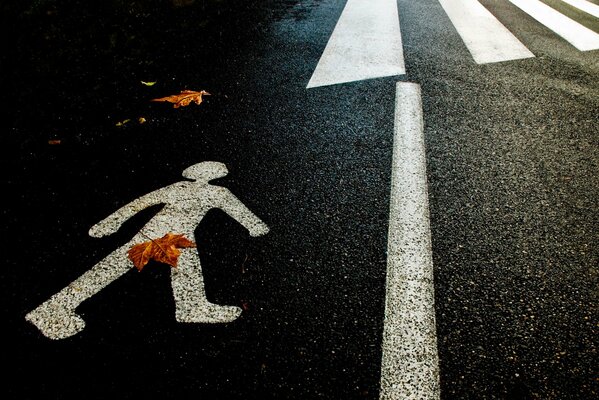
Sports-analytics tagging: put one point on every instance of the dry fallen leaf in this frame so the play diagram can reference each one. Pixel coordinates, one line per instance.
(184, 98)
(123, 122)
(141, 120)
(54, 141)
(164, 250)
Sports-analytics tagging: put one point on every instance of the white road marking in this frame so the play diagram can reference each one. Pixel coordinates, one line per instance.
(585, 6)
(185, 204)
(578, 35)
(485, 37)
(365, 44)
(410, 363)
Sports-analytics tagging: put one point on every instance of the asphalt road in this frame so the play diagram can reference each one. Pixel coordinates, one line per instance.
(511, 151)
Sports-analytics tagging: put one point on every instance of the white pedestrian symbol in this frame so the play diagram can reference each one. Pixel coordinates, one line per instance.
(185, 204)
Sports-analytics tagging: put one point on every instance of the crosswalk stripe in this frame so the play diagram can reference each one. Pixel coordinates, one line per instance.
(585, 6)
(578, 35)
(365, 44)
(485, 37)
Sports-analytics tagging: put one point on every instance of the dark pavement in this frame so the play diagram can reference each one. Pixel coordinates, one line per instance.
(513, 187)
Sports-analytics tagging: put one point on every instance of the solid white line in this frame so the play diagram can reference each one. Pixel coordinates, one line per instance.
(585, 6)
(365, 44)
(485, 37)
(578, 35)
(410, 364)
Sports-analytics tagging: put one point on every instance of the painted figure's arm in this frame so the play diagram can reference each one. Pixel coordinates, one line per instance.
(237, 210)
(113, 222)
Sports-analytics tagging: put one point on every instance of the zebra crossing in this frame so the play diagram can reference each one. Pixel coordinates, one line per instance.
(366, 42)
(585, 6)
(577, 34)
(487, 40)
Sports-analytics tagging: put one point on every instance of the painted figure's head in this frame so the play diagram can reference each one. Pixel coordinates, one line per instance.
(205, 171)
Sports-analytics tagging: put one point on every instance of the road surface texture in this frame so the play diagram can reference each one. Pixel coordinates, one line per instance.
(511, 179)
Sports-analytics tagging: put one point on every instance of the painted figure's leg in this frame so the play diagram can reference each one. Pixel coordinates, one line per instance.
(56, 317)
(190, 296)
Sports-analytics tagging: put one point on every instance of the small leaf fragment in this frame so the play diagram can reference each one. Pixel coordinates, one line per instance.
(164, 250)
(54, 141)
(141, 120)
(148, 83)
(184, 98)
(123, 122)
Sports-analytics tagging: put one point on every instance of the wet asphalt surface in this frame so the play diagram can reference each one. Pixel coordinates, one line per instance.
(512, 171)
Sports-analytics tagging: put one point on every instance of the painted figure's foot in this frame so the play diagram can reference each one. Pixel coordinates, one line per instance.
(207, 313)
(56, 322)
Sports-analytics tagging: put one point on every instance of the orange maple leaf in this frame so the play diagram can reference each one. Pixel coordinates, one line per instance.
(164, 250)
(184, 98)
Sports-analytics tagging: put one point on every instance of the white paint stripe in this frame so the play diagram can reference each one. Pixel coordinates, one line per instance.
(578, 35)
(585, 6)
(410, 365)
(365, 44)
(485, 37)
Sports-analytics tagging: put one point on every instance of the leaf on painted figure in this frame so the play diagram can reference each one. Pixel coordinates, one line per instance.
(164, 250)
(184, 98)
